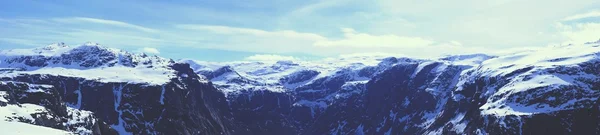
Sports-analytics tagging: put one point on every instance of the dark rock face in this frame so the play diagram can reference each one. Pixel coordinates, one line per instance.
(299, 76)
(55, 114)
(218, 72)
(420, 98)
(391, 96)
(265, 112)
(185, 105)
(392, 103)
(191, 107)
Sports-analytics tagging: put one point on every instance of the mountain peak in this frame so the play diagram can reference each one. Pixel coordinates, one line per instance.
(88, 60)
(593, 42)
(55, 46)
(91, 44)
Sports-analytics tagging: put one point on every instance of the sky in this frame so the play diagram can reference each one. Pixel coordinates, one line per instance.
(230, 30)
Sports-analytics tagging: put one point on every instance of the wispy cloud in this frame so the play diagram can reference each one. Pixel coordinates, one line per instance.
(149, 50)
(363, 40)
(222, 29)
(251, 40)
(310, 8)
(582, 16)
(262, 41)
(372, 54)
(76, 30)
(20, 41)
(435, 27)
(579, 33)
(579, 28)
(269, 57)
(104, 22)
(246, 31)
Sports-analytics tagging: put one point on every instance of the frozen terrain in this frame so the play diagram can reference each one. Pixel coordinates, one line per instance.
(89, 89)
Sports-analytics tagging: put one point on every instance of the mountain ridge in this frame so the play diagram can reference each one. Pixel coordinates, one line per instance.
(457, 94)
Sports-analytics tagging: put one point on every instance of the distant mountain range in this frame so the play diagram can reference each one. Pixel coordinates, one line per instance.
(91, 89)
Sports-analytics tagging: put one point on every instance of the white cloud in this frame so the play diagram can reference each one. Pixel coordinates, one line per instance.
(352, 42)
(269, 57)
(500, 23)
(371, 54)
(357, 43)
(261, 41)
(250, 40)
(575, 30)
(104, 22)
(363, 40)
(579, 33)
(222, 29)
(149, 50)
(428, 28)
(74, 30)
(494, 24)
(582, 16)
(248, 31)
(308, 9)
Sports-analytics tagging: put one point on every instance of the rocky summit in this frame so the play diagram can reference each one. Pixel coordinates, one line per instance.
(92, 89)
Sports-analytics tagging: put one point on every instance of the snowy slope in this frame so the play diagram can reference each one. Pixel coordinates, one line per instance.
(269, 75)
(528, 83)
(38, 104)
(543, 72)
(90, 89)
(282, 76)
(90, 61)
(514, 91)
(316, 85)
(18, 128)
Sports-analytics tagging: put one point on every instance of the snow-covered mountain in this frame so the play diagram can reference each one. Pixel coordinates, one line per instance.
(93, 89)
(303, 91)
(460, 94)
(90, 61)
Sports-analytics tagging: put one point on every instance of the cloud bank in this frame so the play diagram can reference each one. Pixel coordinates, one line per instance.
(316, 28)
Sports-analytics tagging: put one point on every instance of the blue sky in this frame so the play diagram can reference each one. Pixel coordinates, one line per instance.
(228, 30)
